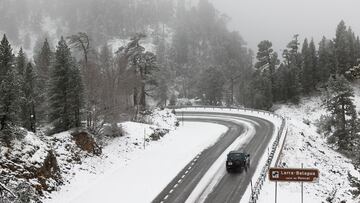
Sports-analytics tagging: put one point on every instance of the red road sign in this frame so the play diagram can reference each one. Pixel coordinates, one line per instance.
(293, 174)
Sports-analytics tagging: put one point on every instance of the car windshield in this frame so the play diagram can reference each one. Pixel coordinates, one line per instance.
(234, 156)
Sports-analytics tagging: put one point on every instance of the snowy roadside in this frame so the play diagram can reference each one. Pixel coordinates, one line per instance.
(304, 145)
(130, 173)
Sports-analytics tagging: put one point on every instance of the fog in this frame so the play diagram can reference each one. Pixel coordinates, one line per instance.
(279, 20)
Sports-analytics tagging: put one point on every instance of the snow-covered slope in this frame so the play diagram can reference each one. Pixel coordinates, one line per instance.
(305, 146)
(133, 172)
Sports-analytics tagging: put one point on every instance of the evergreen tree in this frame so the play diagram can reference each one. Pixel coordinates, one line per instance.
(326, 60)
(281, 89)
(144, 64)
(313, 64)
(211, 86)
(65, 89)
(9, 86)
(341, 49)
(339, 103)
(43, 63)
(310, 73)
(267, 61)
(306, 78)
(351, 45)
(29, 91)
(357, 50)
(76, 101)
(21, 62)
(293, 63)
(261, 90)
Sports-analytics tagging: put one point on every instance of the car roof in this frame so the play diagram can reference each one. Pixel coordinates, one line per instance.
(236, 152)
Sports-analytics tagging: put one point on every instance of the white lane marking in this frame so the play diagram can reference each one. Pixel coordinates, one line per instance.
(179, 181)
(171, 191)
(183, 176)
(175, 186)
(167, 196)
(186, 172)
(189, 167)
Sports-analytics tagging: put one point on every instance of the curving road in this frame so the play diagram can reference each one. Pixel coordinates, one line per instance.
(227, 187)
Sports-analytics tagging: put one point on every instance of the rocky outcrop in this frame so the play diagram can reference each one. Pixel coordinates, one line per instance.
(87, 143)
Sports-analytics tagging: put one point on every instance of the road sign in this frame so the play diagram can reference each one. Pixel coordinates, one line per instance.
(293, 174)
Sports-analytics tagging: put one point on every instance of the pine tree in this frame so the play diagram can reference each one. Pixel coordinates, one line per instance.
(357, 50)
(267, 61)
(21, 62)
(307, 80)
(29, 91)
(339, 103)
(211, 87)
(326, 60)
(9, 86)
(280, 92)
(144, 64)
(64, 91)
(310, 74)
(351, 45)
(76, 95)
(313, 64)
(293, 63)
(341, 49)
(261, 90)
(43, 63)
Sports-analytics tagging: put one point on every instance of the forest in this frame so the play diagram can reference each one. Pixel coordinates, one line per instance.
(80, 81)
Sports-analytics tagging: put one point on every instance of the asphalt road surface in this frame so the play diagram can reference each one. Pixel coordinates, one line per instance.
(231, 186)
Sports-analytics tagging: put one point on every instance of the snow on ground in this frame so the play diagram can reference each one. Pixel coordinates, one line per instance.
(304, 145)
(162, 118)
(130, 173)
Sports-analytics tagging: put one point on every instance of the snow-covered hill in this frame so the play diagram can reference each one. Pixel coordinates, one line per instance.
(32, 166)
(305, 146)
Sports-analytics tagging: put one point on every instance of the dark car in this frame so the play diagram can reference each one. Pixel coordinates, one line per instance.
(237, 160)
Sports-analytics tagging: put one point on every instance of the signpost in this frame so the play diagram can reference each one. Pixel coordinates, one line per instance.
(293, 175)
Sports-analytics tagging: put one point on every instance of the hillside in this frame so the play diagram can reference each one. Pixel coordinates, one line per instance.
(304, 145)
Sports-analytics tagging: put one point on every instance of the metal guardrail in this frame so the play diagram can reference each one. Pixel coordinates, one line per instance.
(260, 181)
(255, 192)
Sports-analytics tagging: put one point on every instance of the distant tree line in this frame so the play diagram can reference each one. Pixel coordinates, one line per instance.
(100, 19)
(306, 70)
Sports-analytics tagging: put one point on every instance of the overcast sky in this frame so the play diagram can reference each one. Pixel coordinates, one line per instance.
(279, 20)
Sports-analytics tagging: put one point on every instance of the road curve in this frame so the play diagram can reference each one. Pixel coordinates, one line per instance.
(231, 187)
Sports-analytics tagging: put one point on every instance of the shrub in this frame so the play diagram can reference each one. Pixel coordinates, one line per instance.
(113, 130)
(324, 124)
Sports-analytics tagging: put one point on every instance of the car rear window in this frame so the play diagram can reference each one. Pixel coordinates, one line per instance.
(234, 156)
